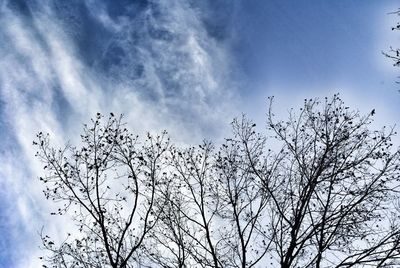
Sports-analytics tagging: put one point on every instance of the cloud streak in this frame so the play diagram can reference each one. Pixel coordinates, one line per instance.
(158, 64)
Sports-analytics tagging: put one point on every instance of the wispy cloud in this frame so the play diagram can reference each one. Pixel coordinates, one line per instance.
(154, 62)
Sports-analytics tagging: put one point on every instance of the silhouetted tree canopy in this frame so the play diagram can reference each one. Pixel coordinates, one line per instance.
(319, 189)
(394, 53)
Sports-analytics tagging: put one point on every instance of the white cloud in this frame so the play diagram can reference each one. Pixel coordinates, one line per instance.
(40, 66)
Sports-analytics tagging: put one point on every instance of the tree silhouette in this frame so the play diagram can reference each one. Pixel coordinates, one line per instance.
(110, 186)
(333, 201)
(317, 190)
(216, 207)
(394, 53)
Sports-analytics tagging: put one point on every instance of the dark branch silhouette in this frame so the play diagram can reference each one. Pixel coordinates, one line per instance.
(109, 185)
(394, 53)
(318, 190)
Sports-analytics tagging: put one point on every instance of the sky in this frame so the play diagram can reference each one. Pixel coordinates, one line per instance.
(186, 66)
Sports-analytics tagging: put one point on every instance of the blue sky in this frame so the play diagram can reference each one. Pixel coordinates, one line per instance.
(185, 66)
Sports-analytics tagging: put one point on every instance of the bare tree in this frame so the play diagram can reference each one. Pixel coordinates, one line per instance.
(215, 208)
(195, 206)
(243, 201)
(333, 198)
(318, 190)
(110, 186)
(394, 53)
